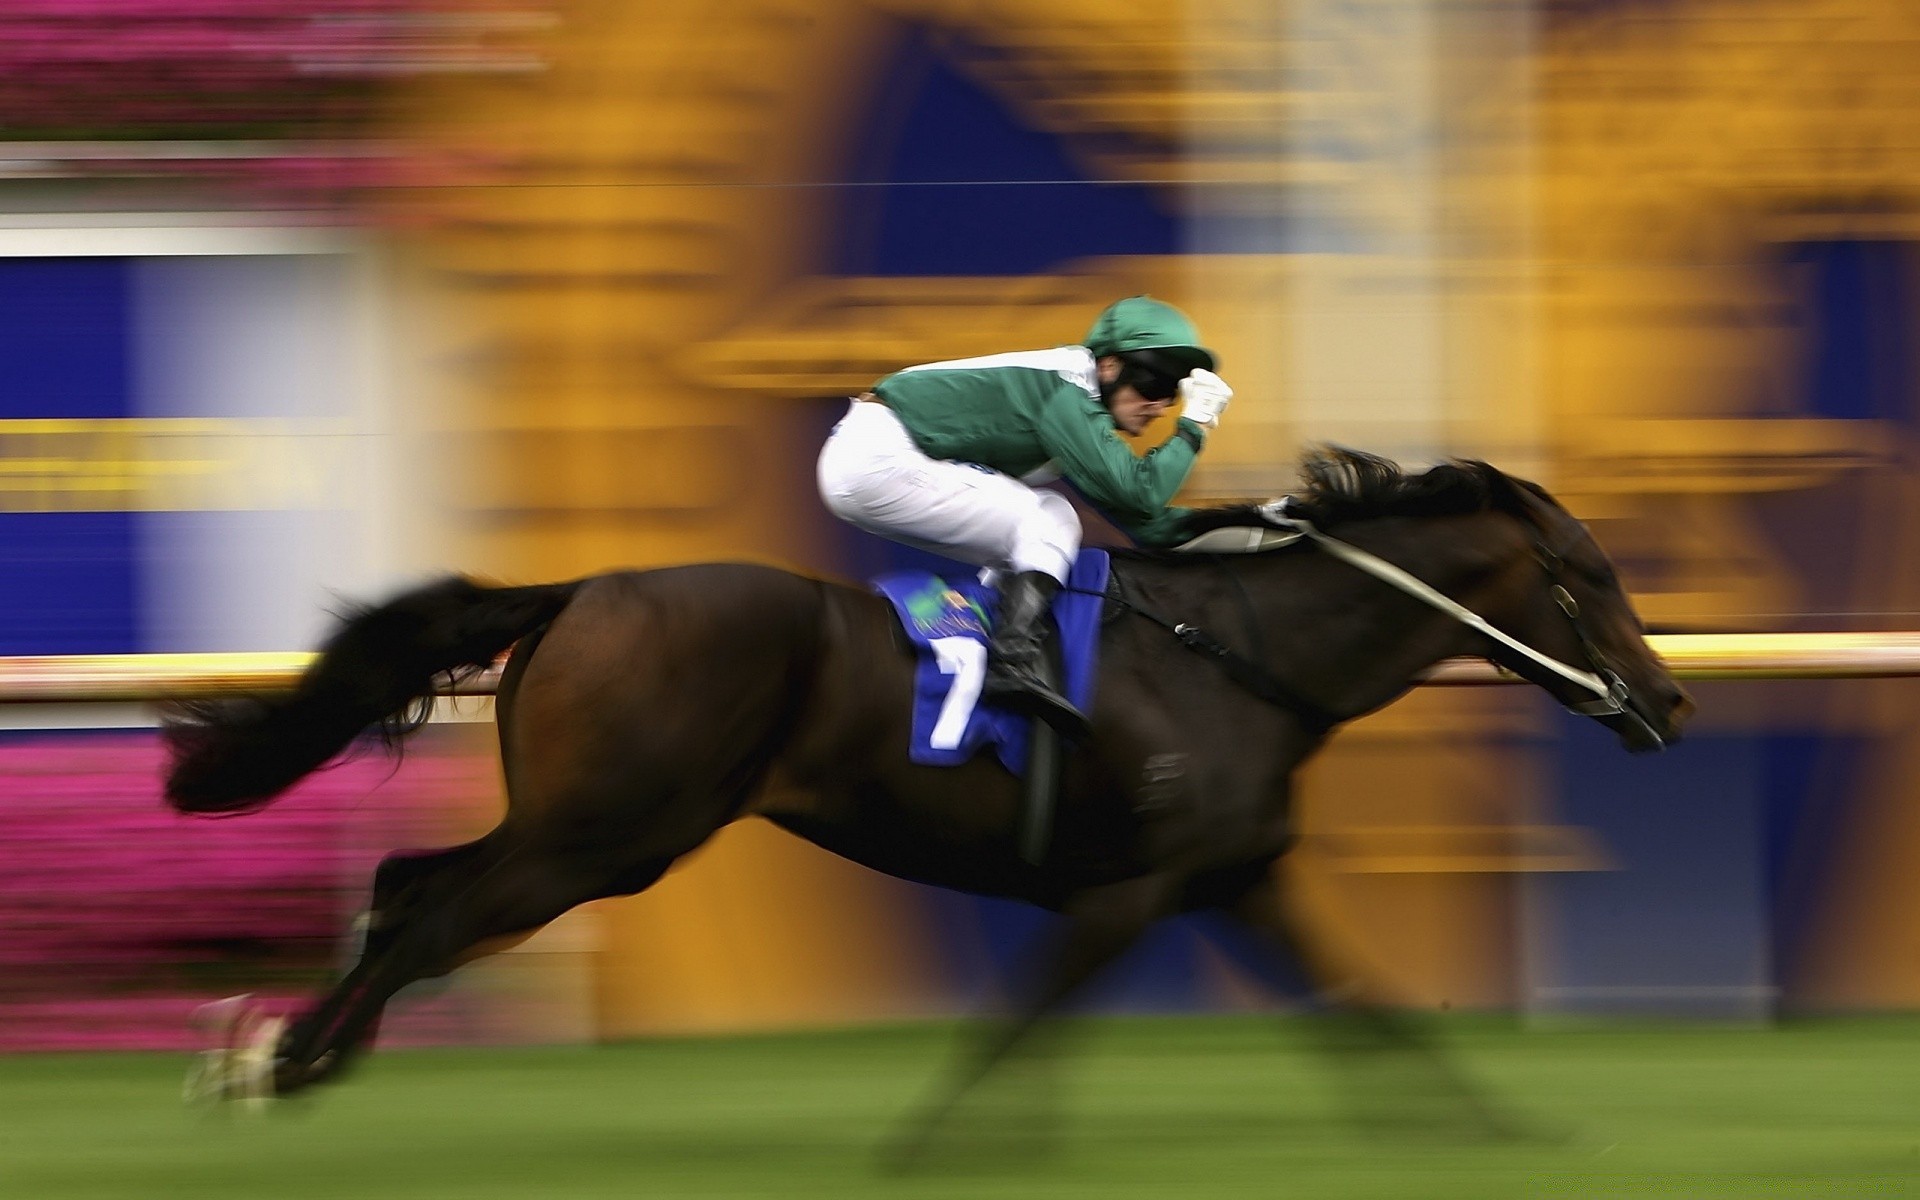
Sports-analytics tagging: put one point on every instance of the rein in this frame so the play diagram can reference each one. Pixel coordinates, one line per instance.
(1239, 668)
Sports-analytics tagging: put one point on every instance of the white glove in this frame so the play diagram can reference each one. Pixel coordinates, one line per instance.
(1204, 397)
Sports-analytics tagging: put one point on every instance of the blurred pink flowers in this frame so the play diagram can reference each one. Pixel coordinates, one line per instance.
(118, 916)
(117, 68)
(272, 101)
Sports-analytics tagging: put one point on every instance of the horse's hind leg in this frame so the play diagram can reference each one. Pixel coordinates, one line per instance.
(397, 885)
(447, 904)
(247, 1042)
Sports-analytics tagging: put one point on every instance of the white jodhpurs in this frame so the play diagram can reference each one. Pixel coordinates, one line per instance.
(873, 476)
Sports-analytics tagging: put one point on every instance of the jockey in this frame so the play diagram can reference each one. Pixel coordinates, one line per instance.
(945, 457)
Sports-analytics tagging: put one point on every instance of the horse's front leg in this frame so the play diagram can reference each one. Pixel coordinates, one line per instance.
(1396, 1076)
(1100, 924)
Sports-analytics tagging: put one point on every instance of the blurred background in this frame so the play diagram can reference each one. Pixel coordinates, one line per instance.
(301, 300)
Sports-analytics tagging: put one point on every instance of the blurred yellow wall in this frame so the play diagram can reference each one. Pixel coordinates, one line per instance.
(1579, 282)
(1690, 156)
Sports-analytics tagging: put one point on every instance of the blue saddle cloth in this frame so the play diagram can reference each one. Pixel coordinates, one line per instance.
(948, 621)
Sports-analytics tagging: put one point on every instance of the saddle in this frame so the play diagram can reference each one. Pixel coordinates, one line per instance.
(948, 621)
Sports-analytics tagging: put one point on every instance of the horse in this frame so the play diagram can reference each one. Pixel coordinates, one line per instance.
(641, 711)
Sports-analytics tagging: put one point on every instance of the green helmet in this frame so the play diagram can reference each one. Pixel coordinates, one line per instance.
(1143, 323)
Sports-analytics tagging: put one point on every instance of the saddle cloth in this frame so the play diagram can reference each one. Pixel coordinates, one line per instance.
(948, 622)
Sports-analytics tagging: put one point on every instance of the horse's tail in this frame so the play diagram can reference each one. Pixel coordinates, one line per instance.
(379, 670)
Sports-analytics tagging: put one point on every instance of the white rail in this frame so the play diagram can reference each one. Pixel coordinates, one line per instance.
(137, 678)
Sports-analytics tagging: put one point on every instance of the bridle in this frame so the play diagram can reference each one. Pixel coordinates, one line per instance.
(1618, 699)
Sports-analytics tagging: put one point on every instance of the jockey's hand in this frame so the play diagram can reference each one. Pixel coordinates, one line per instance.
(1204, 396)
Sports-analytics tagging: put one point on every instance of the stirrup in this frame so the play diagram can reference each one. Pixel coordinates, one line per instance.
(1045, 704)
(1067, 721)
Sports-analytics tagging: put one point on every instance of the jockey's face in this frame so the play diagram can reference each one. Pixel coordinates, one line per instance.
(1131, 411)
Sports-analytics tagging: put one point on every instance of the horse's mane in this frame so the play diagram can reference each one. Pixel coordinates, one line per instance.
(1341, 485)
(1350, 485)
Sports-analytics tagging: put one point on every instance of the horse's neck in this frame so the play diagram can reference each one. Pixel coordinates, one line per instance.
(1354, 642)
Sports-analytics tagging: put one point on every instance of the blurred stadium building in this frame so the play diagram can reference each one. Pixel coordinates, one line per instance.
(534, 289)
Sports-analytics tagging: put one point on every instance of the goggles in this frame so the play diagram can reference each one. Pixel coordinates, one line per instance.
(1155, 376)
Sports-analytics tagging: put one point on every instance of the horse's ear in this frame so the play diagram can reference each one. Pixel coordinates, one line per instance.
(1519, 497)
(1495, 486)
(1446, 488)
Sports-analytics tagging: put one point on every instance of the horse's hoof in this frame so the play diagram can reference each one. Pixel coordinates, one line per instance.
(253, 1062)
(238, 1063)
(216, 1023)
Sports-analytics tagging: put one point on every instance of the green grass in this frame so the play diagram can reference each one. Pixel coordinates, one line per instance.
(1174, 1107)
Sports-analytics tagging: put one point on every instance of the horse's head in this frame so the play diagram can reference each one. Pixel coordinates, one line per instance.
(1568, 603)
(1541, 580)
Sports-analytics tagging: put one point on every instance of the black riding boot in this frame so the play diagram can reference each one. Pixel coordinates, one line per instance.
(1020, 672)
